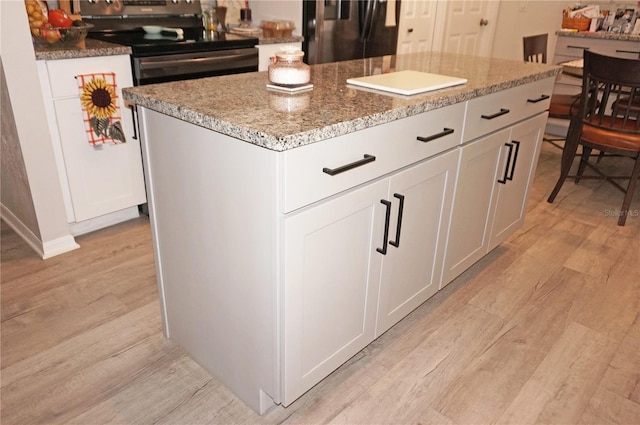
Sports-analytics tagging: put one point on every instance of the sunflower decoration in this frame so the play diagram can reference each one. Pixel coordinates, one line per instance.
(98, 99)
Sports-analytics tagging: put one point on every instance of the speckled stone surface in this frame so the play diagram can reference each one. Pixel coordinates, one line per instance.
(601, 35)
(292, 39)
(91, 48)
(241, 106)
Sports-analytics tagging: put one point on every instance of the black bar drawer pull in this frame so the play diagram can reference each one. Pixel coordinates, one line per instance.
(578, 47)
(333, 171)
(396, 243)
(506, 169)
(387, 204)
(444, 132)
(515, 158)
(540, 99)
(496, 115)
(133, 119)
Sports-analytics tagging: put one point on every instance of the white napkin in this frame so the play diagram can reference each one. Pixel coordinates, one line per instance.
(390, 20)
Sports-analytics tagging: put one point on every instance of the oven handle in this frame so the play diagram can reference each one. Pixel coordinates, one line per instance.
(199, 61)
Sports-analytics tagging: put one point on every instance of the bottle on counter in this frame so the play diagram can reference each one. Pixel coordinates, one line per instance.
(288, 70)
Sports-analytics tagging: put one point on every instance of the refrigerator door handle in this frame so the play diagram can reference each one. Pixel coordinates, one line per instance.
(367, 10)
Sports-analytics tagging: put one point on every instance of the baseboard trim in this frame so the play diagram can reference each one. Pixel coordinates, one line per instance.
(46, 249)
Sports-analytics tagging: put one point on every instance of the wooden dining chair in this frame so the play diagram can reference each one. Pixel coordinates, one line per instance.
(608, 119)
(561, 106)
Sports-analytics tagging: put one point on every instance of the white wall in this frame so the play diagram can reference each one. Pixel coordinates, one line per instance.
(18, 59)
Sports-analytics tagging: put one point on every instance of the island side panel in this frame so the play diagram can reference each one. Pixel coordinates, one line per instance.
(212, 203)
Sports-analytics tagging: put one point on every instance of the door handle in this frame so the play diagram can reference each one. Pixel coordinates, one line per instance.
(515, 159)
(133, 122)
(385, 241)
(484, 22)
(506, 169)
(496, 115)
(396, 243)
(333, 171)
(444, 132)
(540, 99)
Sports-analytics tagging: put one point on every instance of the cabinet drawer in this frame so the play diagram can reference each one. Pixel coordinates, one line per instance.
(62, 72)
(575, 46)
(498, 110)
(394, 145)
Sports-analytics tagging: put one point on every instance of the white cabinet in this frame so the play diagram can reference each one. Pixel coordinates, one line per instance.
(277, 276)
(493, 183)
(421, 208)
(570, 48)
(102, 184)
(357, 264)
(330, 287)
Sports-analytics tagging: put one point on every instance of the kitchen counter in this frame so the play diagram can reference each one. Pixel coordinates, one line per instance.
(90, 48)
(602, 35)
(277, 265)
(242, 107)
(94, 48)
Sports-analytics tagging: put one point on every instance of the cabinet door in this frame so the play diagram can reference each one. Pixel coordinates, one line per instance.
(330, 287)
(104, 179)
(107, 178)
(512, 195)
(412, 268)
(480, 163)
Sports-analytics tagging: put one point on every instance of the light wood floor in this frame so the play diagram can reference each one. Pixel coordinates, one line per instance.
(544, 330)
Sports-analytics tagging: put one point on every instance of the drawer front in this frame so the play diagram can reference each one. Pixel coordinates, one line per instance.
(307, 171)
(498, 110)
(574, 47)
(62, 72)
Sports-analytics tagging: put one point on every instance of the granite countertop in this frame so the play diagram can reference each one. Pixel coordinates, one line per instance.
(293, 39)
(90, 48)
(600, 34)
(242, 107)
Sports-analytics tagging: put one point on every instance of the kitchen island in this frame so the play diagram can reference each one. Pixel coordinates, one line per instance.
(292, 229)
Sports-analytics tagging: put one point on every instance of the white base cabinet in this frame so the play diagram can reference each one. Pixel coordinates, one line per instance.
(273, 278)
(357, 264)
(493, 183)
(106, 180)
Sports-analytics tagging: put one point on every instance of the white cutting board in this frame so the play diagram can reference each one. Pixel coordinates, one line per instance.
(407, 82)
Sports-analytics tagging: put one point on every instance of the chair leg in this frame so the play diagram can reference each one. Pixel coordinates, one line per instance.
(568, 154)
(586, 153)
(624, 211)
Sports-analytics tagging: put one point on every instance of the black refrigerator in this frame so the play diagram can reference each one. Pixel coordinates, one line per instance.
(337, 30)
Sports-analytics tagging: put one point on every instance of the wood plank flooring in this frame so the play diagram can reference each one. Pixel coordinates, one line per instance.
(544, 330)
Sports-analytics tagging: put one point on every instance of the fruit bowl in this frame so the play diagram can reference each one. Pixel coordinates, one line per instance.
(47, 35)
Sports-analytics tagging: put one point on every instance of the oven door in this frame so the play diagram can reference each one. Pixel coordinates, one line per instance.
(184, 66)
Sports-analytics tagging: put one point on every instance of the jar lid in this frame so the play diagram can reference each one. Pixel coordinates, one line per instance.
(290, 53)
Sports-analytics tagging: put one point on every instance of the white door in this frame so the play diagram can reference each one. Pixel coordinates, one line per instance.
(417, 25)
(330, 292)
(412, 267)
(512, 195)
(482, 163)
(469, 26)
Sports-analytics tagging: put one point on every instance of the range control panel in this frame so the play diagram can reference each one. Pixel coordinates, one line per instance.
(125, 8)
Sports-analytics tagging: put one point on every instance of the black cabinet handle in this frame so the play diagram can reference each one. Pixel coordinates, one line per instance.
(396, 243)
(540, 99)
(515, 159)
(496, 115)
(383, 250)
(333, 171)
(578, 47)
(443, 133)
(135, 125)
(506, 169)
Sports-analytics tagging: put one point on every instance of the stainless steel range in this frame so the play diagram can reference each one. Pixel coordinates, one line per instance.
(177, 47)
